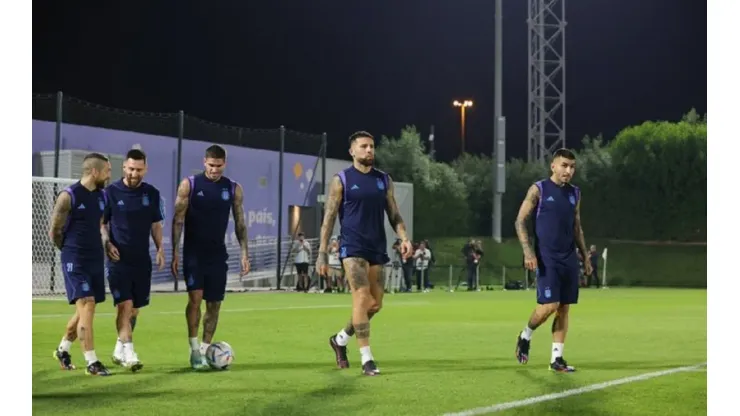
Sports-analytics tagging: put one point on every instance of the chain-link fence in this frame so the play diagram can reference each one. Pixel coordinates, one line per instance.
(277, 169)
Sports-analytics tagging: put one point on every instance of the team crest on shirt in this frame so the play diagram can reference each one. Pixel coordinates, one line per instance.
(548, 293)
(225, 194)
(381, 185)
(572, 199)
(101, 203)
(145, 200)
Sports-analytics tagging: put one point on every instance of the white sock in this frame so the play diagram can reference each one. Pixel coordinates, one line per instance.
(527, 333)
(90, 357)
(342, 338)
(366, 354)
(128, 350)
(65, 345)
(204, 347)
(557, 351)
(194, 345)
(118, 350)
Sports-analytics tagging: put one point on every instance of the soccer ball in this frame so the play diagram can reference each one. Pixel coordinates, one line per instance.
(219, 355)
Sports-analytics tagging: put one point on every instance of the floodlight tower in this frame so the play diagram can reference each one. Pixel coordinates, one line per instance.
(546, 78)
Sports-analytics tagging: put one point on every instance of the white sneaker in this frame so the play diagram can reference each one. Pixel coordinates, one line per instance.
(132, 362)
(117, 358)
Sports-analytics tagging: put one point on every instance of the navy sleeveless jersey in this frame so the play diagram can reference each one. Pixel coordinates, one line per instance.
(362, 212)
(207, 216)
(554, 223)
(130, 213)
(82, 241)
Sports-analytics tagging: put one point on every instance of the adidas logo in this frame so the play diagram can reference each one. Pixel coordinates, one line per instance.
(120, 203)
(82, 206)
(354, 187)
(550, 199)
(200, 193)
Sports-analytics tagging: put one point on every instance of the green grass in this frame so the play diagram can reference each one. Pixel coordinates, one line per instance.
(438, 352)
(629, 264)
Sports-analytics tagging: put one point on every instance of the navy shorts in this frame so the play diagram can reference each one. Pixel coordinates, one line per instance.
(210, 277)
(83, 279)
(374, 257)
(557, 281)
(130, 282)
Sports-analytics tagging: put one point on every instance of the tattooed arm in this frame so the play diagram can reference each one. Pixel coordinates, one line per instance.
(580, 238)
(528, 205)
(331, 210)
(178, 221)
(240, 224)
(62, 208)
(394, 214)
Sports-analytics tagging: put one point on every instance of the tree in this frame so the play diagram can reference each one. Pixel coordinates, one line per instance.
(440, 197)
(476, 174)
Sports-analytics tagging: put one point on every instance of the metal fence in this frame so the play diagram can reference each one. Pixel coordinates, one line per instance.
(277, 167)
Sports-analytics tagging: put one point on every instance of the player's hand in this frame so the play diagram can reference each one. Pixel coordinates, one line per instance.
(406, 249)
(112, 251)
(588, 268)
(160, 259)
(174, 266)
(530, 262)
(245, 265)
(322, 268)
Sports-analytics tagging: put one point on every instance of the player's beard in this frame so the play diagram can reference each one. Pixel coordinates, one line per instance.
(100, 185)
(365, 161)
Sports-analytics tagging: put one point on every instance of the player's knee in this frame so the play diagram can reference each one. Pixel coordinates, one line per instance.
(362, 297)
(213, 306)
(550, 308)
(563, 309)
(375, 307)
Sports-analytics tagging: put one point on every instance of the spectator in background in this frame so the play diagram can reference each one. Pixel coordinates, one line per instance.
(302, 255)
(472, 251)
(432, 260)
(593, 257)
(422, 256)
(335, 275)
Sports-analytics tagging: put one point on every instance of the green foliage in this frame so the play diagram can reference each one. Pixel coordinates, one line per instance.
(648, 183)
(440, 197)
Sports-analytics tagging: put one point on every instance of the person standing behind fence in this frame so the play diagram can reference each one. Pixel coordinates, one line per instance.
(422, 258)
(593, 257)
(472, 256)
(302, 251)
(335, 266)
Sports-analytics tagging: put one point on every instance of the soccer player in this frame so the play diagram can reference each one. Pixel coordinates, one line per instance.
(360, 195)
(75, 231)
(558, 232)
(202, 206)
(134, 211)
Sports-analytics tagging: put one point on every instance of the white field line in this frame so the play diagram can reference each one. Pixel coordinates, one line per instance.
(574, 392)
(276, 308)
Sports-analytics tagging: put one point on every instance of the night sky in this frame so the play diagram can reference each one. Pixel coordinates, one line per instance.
(341, 66)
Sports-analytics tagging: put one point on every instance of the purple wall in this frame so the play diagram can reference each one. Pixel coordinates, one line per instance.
(256, 170)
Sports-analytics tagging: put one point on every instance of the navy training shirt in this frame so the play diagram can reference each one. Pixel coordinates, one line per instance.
(131, 213)
(362, 212)
(554, 223)
(207, 217)
(82, 240)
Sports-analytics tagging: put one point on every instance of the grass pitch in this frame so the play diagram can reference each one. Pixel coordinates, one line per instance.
(438, 353)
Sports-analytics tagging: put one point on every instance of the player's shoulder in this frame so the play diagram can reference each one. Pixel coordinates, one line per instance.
(150, 188)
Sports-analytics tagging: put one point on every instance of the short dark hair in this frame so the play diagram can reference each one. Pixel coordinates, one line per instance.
(356, 135)
(216, 152)
(136, 154)
(95, 155)
(564, 153)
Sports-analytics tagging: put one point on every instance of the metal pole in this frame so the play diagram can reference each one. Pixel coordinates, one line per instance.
(280, 207)
(462, 128)
(178, 167)
(431, 143)
(450, 287)
(499, 144)
(503, 276)
(57, 149)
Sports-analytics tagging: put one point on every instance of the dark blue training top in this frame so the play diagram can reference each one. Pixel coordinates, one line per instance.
(131, 213)
(82, 240)
(208, 217)
(554, 224)
(362, 213)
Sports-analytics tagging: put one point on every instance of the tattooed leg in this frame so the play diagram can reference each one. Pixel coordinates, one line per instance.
(357, 275)
(210, 321)
(86, 311)
(376, 279)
